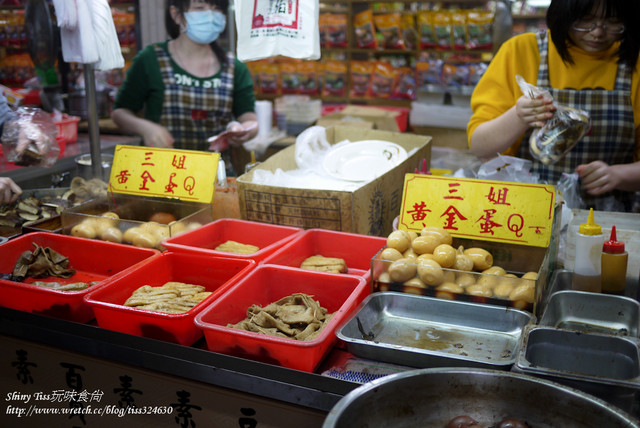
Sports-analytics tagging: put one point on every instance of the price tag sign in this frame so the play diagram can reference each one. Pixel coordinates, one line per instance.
(188, 175)
(514, 213)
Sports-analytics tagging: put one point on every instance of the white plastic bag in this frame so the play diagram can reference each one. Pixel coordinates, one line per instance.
(267, 28)
(561, 133)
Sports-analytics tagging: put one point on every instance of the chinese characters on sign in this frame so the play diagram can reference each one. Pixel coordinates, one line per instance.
(516, 213)
(187, 175)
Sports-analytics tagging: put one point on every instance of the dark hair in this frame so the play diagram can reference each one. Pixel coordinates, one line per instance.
(173, 29)
(561, 14)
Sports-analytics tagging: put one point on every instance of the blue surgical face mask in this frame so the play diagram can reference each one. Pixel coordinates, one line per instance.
(205, 26)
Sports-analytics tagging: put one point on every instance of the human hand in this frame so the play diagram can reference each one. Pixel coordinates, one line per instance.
(535, 111)
(9, 190)
(241, 132)
(236, 134)
(598, 177)
(155, 135)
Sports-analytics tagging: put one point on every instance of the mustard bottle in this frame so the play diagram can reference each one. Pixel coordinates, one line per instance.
(588, 262)
(614, 265)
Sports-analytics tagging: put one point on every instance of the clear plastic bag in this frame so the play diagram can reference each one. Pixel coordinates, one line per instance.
(30, 138)
(561, 133)
(508, 168)
(569, 189)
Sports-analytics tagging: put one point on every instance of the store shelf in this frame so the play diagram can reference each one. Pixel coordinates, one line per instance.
(352, 52)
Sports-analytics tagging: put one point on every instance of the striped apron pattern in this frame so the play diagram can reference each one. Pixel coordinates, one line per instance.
(611, 138)
(192, 114)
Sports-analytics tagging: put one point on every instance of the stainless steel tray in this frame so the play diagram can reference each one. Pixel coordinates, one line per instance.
(421, 331)
(604, 365)
(592, 313)
(561, 279)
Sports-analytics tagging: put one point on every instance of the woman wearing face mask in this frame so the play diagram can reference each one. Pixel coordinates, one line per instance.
(180, 92)
(587, 59)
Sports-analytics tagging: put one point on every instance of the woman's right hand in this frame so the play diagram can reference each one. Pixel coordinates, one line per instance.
(155, 135)
(534, 112)
(9, 190)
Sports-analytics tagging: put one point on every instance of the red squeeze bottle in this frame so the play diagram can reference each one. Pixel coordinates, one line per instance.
(614, 265)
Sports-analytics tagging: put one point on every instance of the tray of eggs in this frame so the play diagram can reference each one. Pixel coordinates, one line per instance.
(433, 263)
(142, 222)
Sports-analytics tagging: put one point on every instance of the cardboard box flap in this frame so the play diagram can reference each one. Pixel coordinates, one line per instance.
(380, 118)
(369, 209)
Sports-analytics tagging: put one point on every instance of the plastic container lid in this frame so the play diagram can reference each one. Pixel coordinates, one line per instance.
(613, 245)
(590, 227)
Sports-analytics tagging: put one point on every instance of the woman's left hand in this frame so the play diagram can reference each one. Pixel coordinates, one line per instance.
(598, 177)
(241, 132)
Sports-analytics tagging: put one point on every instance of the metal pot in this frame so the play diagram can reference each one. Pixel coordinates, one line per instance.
(432, 397)
(84, 170)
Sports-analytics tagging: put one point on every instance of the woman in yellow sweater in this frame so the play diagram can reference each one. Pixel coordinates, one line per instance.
(588, 59)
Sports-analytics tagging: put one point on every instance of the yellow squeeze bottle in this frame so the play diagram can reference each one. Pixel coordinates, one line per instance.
(588, 262)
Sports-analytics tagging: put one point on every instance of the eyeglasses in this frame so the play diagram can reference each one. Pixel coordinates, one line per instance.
(588, 26)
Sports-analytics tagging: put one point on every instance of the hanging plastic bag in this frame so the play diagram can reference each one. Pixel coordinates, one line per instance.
(568, 125)
(30, 138)
(268, 28)
(569, 189)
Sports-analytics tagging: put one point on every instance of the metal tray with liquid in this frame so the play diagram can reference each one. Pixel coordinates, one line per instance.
(592, 313)
(421, 331)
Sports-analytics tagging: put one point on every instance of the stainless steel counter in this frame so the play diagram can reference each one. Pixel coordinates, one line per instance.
(64, 169)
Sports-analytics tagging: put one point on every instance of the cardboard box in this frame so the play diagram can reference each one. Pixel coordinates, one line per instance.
(371, 117)
(369, 210)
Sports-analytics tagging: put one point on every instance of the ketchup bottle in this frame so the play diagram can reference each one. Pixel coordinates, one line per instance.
(614, 265)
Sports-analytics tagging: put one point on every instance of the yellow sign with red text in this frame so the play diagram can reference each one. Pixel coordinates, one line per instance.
(514, 213)
(188, 175)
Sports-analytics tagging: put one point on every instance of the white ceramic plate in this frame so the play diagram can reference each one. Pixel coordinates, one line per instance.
(363, 160)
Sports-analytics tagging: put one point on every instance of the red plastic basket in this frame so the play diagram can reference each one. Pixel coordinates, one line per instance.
(68, 127)
(356, 250)
(204, 240)
(339, 294)
(92, 261)
(216, 274)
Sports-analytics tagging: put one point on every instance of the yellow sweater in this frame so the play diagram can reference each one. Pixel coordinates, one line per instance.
(497, 91)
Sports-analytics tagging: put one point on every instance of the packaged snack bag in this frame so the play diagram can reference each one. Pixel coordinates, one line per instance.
(404, 84)
(335, 78)
(364, 30)
(361, 78)
(428, 72)
(442, 29)
(268, 76)
(382, 79)
(337, 30)
(289, 77)
(426, 30)
(388, 26)
(309, 77)
(459, 29)
(323, 28)
(479, 29)
(409, 33)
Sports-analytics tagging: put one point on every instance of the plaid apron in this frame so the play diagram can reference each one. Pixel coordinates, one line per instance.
(611, 138)
(194, 113)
